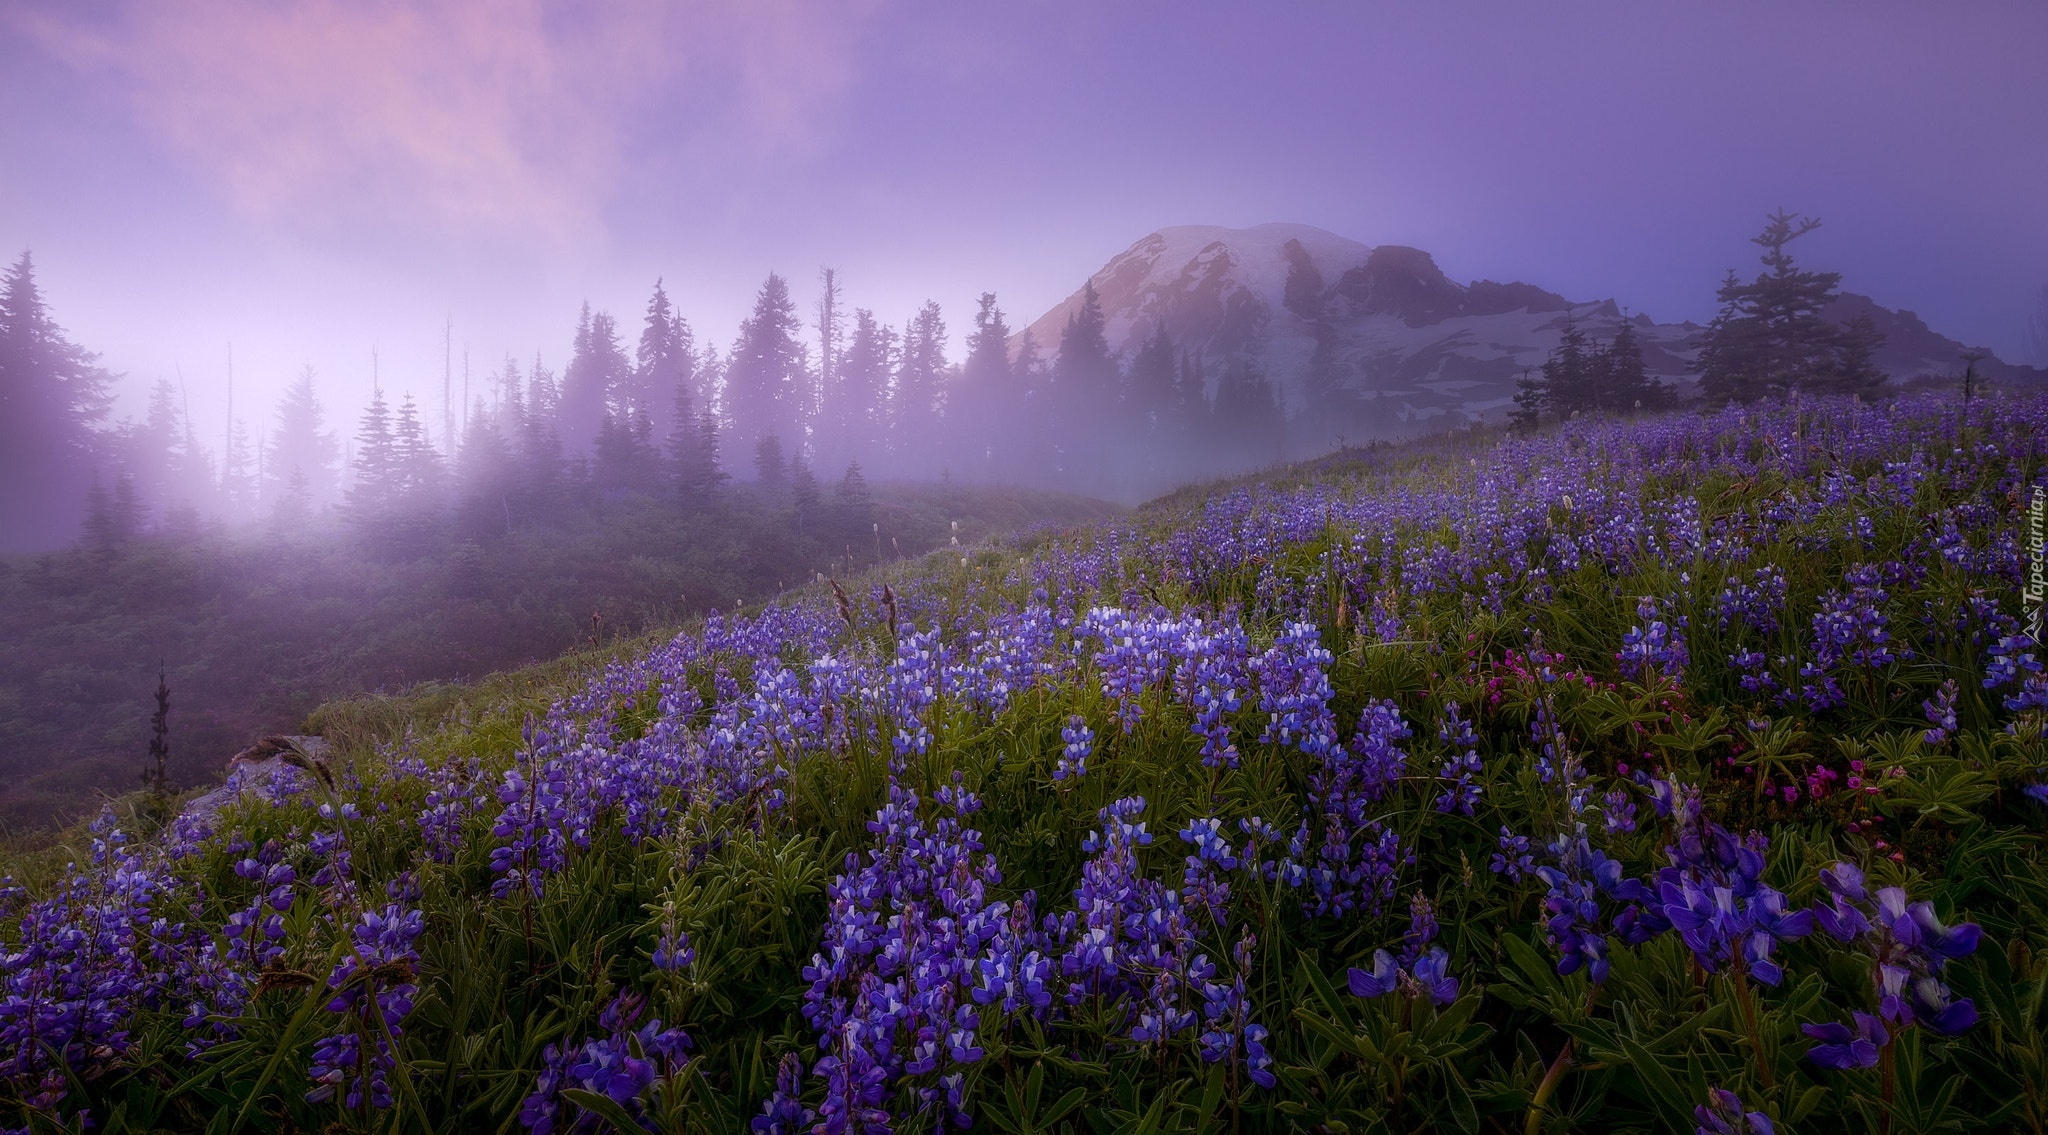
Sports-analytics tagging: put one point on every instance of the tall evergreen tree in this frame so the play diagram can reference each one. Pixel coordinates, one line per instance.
(916, 403)
(486, 476)
(1625, 382)
(597, 372)
(1085, 383)
(241, 481)
(693, 449)
(1769, 337)
(853, 506)
(1855, 364)
(1532, 401)
(664, 361)
(299, 448)
(625, 456)
(1571, 379)
(771, 464)
(154, 449)
(765, 373)
(53, 396)
(989, 406)
(1085, 376)
(1191, 393)
(374, 491)
(1153, 387)
(805, 500)
(855, 408)
(1248, 409)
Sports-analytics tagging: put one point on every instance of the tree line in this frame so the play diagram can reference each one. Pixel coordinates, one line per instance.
(1768, 340)
(832, 396)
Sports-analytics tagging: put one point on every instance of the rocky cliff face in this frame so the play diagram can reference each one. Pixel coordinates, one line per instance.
(1386, 331)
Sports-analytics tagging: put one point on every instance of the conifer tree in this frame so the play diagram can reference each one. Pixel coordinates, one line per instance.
(695, 453)
(1571, 381)
(665, 361)
(1192, 393)
(1769, 337)
(1855, 365)
(53, 395)
(597, 372)
(1085, 376)
(1626, 385)
(765, 373)
(486, 475)
(1532, 401)
(300, 448)
(154, 449)
(855, 405)
(1084, 388)
(804, 496)
(916, 404)
(831, 335)
(852, 504)
(373, 492)
(988, 398)
(1153, 385)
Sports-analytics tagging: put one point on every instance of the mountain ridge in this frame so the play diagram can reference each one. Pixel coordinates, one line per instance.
(1388, 331)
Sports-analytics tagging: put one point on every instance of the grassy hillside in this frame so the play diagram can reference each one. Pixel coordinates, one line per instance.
(1669, 775)
(255, 630)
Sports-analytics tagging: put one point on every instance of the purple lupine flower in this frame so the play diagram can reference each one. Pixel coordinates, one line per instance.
(1714, 896)
(1462, 766)
(1514, 860)
(1079, 739)
(1843, 1046)
(1723, 1114)
(1941, 713)
(1909, 948)
(1652, 647)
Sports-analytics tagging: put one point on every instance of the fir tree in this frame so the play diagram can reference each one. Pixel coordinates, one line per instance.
(916, 401)
(486, 476)
(1855, 364)
(53, 395)
(1085, 374)
(855, 414)
(597, 374)
(989, 404)
(1571, 381)
(853, 505)
(664, 363)
(805, 499)
(765, 373)
(698, 476)
(1532, 401)
(1192, 393)
(300, 448)
(1769, 338)
(771, 467)
(1153, 384)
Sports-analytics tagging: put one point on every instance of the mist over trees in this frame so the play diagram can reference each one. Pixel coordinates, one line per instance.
(812, 395)
(53, 396)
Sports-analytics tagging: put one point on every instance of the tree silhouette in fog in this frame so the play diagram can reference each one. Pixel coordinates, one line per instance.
(52, 395)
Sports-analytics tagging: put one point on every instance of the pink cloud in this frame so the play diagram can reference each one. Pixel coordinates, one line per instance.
(508, 117)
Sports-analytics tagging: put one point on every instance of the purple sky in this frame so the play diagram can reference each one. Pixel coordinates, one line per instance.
(311, 180)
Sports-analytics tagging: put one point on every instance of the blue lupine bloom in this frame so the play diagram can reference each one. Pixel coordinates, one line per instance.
(1843, 1046)
(1723, 1114)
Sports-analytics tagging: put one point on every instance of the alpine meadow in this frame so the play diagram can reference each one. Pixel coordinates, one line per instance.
(545, 591)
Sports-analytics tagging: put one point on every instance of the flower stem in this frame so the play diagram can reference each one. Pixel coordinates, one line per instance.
(1546, 1087)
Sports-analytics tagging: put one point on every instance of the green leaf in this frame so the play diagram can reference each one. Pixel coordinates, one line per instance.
(1665, 1094)
(602, 1107)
